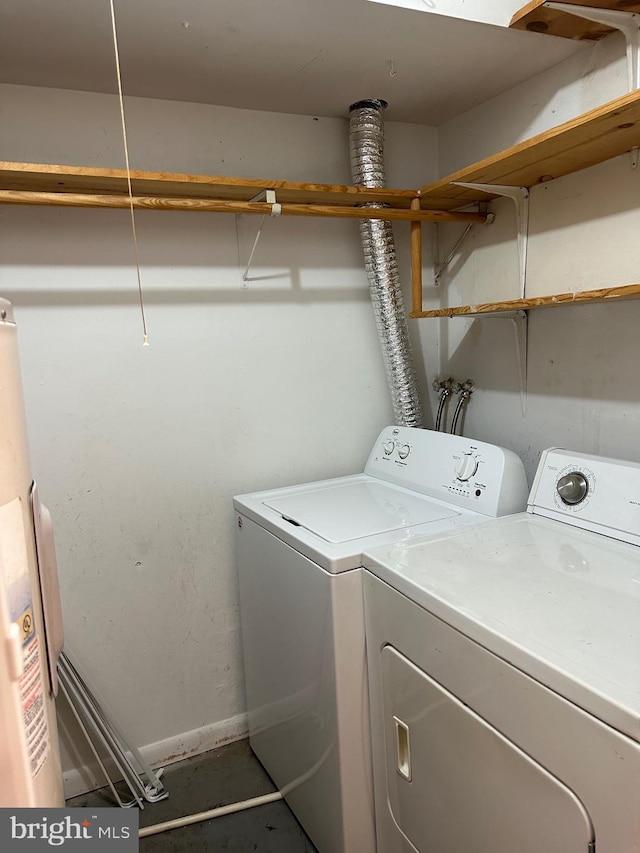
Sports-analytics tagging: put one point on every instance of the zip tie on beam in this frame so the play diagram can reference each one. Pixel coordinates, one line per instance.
(270, 197)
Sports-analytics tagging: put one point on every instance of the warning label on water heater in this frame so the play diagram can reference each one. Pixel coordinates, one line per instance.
(34, 710)
(14, 571)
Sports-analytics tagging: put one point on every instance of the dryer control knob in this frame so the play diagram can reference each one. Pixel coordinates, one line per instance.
(388, 446)
(466, 467)
(403, 451)
(572, 488)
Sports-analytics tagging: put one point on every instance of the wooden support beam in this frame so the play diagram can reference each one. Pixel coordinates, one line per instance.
(416, 259)
(604, 294)
(225, 206)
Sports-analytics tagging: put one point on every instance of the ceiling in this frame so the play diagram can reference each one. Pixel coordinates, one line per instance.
(312, 57)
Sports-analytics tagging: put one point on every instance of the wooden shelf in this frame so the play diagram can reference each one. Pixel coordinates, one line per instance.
(538, 19)
(82, 186)
(595, 136)
(630, 291)
(598, 135)
(30, 177)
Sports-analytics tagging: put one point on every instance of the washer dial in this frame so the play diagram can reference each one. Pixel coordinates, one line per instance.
(466, 467)
(572, 488)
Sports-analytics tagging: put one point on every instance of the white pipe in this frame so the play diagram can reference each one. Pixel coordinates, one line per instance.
(219, 812)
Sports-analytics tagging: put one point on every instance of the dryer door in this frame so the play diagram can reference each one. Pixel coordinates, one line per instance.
(455, 783)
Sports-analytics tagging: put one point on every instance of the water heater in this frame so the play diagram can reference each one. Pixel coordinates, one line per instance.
(31, 634)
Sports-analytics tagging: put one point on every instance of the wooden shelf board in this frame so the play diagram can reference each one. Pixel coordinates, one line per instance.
(536, 18)
(630, 291)
(600, 134)
(217, 205)
(32, 177)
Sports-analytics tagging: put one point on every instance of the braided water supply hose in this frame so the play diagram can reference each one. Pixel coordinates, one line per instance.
(444, 387)
(465, 390)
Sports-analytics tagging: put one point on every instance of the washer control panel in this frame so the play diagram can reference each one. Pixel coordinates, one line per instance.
(593, 492)
(466, 466)
(401, 450)
(473, 474)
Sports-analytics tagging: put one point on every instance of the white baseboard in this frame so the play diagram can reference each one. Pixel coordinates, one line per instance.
(80, 780)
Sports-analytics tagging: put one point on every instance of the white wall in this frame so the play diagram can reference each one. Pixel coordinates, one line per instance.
(581, 83)
(583, 383)
(138, 451)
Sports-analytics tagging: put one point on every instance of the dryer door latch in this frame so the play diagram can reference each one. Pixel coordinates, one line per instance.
(403, 749)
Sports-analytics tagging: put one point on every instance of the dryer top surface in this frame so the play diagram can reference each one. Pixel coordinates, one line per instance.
(560, 603)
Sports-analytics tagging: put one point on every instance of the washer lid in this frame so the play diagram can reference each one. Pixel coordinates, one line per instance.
(561, 604)
(353, 510)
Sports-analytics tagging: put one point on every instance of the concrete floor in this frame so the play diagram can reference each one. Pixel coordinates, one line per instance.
(220, 777)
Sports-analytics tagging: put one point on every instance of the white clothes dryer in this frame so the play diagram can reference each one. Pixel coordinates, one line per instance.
(299, 556)
(504, 667)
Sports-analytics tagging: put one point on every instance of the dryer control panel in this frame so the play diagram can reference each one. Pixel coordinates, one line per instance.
(592, 492)
(472, 474)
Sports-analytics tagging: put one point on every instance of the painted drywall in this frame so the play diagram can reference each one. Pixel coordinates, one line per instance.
(595, 75)
(139, 450)
(583, 386)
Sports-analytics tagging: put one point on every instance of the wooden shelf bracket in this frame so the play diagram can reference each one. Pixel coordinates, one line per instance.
(627, 22)
(276, 209)
(520, 197)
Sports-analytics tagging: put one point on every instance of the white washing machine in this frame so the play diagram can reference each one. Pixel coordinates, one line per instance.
(299, 555)
(504, 667)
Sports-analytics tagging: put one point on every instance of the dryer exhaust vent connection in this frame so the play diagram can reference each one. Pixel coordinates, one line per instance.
(366, 140)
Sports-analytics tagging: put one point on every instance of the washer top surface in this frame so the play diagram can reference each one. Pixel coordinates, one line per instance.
(560, 603)
(415, 482)
(347, 510)
(332, 522)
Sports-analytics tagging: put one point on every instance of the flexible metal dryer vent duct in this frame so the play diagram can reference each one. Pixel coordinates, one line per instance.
(366, 140)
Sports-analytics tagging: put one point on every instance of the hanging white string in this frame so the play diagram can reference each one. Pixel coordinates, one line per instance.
(126, 159)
